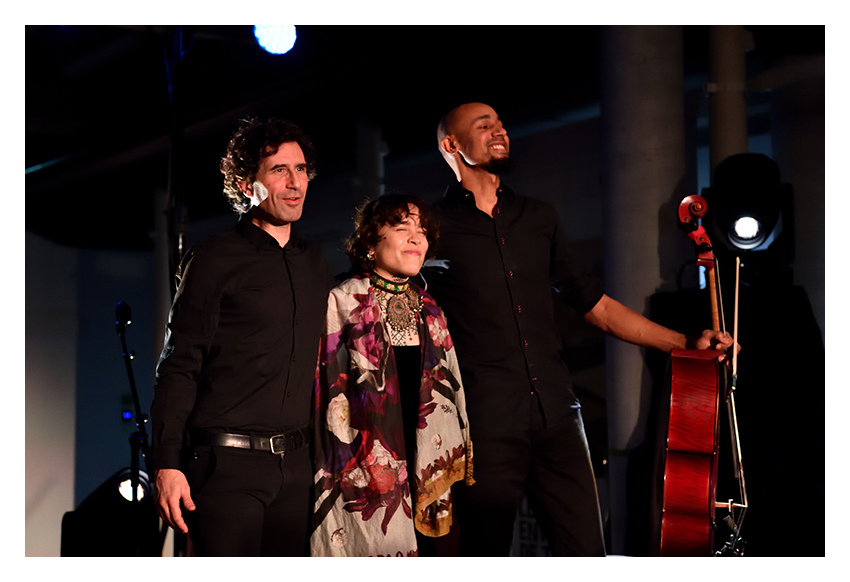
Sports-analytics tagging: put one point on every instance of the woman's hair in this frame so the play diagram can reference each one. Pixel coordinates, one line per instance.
(389, 210)
(253, 141)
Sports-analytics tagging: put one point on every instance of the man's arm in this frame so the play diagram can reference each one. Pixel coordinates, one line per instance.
(616, 319)
(191, 327)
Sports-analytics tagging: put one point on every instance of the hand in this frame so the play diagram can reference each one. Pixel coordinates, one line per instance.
(716, 340)
(171, 488)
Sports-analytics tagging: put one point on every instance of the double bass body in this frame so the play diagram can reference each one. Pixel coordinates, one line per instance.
(688, 443)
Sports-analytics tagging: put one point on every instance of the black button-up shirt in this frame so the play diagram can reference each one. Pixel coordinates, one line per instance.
(494, 277)
(242, 339)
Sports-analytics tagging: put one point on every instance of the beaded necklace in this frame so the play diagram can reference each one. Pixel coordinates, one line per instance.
(400, 304)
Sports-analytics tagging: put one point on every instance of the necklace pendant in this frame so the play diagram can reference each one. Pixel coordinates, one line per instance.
(398, 314)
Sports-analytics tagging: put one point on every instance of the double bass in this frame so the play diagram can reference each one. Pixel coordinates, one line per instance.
(696, 388)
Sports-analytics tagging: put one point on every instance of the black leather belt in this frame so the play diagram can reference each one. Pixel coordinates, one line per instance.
(277, 444)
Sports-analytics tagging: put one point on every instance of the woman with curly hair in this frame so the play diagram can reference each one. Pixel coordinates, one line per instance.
(390, 428)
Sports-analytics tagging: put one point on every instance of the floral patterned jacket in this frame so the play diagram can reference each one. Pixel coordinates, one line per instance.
(369, 497)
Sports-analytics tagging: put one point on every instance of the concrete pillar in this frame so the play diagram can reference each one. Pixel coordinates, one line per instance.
(371, 150)
(727, 101)
(643, 180)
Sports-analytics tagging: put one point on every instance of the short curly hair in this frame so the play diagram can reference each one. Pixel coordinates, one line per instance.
(389, 209)
(254, 140)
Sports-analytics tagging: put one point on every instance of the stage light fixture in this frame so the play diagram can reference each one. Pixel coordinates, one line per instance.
(125, 488)
(276, 39)
(109, 523)
(750, 215)
(746, 232)
(748, 207)
(747, 229)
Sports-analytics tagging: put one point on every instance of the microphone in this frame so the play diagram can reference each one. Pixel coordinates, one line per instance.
(122, 316)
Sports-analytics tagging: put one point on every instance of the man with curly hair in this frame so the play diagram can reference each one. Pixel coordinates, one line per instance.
(232, 398)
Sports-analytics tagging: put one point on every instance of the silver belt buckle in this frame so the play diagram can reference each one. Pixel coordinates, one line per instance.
(271, 444)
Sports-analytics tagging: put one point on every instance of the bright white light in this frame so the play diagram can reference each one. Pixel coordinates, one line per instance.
(275, 39)
(126, 490)
(746, 228)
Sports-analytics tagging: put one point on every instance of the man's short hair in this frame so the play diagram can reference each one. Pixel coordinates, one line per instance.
(255, 140)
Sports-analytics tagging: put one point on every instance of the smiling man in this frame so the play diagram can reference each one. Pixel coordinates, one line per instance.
(500, 256)
(233, 386)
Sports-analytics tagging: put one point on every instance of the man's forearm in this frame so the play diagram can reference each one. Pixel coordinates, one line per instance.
(616, 319)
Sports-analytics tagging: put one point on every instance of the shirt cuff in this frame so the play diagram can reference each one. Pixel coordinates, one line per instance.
(165, 458)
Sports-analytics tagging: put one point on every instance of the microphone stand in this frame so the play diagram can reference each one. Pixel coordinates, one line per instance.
(139, 439)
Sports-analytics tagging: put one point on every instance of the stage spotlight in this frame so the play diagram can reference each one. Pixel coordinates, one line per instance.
(276, 39)
(750, 215)
(747, 202)
(109, 523)
(125, 488)
(747, 230)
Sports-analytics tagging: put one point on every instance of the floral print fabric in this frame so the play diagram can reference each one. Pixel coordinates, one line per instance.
(369, 497)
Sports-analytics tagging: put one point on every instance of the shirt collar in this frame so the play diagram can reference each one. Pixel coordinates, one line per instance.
(263, 240)
(457, 194)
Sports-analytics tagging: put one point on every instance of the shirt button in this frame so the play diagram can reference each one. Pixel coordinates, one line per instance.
(503, 240)
(519, 308)
(525, 343)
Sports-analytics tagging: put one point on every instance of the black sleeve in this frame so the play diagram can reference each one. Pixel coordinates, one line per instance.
(568, 273)
(192, 324)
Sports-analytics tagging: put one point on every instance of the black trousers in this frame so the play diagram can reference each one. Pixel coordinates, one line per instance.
(551, 467)
(249, 503)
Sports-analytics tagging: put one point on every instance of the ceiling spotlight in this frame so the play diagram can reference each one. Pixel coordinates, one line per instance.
(276, 39)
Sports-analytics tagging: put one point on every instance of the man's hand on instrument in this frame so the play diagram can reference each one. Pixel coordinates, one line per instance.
(171, 488)
(713, 340)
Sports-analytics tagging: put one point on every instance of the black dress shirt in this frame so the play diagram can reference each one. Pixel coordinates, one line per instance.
(242, 339)
(493, 277)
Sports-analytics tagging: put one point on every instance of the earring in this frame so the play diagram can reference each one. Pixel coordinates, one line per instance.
(370, 256)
